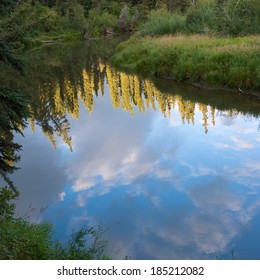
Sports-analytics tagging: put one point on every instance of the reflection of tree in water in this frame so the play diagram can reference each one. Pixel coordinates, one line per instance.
(126, 92)
(61, 77)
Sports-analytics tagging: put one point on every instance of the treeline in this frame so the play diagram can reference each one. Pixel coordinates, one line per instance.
(213, 54)
(213, 17)
(52, 19)
(48, 19)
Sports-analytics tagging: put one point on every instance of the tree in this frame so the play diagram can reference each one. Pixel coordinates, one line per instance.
(13, 114)
(13, 110)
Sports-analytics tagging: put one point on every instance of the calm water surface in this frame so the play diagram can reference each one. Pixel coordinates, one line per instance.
(173, 171)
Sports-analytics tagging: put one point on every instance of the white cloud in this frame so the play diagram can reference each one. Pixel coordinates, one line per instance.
(216, 193)
(61, 196)
(241, 143)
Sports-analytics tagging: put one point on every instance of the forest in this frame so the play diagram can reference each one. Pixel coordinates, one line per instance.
(42, 19)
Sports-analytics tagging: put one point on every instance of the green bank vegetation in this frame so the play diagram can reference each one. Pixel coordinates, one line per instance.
(45, 21)
(164, 40)
(214, 61)
(213, 43)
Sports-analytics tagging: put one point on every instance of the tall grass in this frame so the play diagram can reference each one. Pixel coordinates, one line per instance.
(214, 61)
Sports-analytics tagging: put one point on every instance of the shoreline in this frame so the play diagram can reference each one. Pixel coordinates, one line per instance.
(206, 87)
(218, 63)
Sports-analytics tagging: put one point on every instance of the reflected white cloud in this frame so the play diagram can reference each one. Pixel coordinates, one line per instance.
(236, 143)
(241, 143)
(247, 173)
(117, 154)
(208, 224)
(216, 193)
(40, 179)
(173, 191)
(145, 165)
(61, 196)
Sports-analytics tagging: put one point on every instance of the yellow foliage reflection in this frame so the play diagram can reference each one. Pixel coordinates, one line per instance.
(127, 92)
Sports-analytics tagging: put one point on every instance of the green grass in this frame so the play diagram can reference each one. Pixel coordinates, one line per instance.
(213, 61)
(24, 240)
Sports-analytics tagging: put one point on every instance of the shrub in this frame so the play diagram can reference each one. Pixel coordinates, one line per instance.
(199, 19)
(22, 240)
(98, 21)
(162, 22)
(237, 17)
(7, 208)
(77, 18)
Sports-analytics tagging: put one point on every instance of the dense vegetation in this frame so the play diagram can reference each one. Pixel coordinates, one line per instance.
(226, 17)
(23, 240)
(44, 20)
(30, 22)
(227, 62)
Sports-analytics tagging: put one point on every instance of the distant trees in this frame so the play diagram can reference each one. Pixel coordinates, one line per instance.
(220, 17)
(93, 17)
(237, 17)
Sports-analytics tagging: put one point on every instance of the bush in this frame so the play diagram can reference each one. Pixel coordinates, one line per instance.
(77, 18)
(199, 19)
(22, 240)
(111, 7)
(230, 17)
(237, 17)
(98, 21)
(161, 22)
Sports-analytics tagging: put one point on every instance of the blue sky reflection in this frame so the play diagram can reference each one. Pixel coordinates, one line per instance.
(170, 190)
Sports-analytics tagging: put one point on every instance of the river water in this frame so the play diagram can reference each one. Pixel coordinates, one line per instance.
(171, 171)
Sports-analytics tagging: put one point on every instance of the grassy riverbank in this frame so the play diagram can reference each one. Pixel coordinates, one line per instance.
(208, 60)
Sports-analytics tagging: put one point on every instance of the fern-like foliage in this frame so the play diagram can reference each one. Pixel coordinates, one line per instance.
(13, 114)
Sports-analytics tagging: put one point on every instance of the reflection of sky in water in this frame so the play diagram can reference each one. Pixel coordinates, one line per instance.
(170, 190)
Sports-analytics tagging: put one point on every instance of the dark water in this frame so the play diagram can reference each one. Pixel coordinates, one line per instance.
(173, 171)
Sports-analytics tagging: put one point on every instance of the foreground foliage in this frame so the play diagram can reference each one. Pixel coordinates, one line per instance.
(22, 240)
